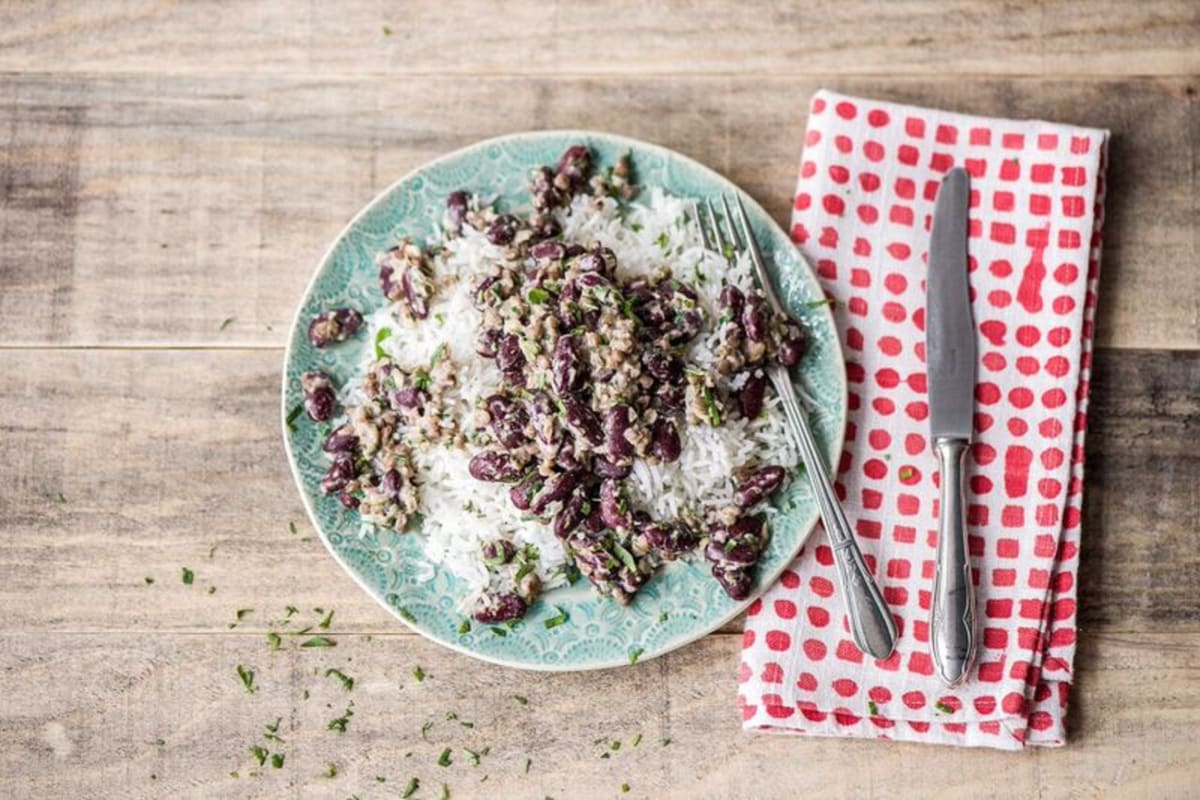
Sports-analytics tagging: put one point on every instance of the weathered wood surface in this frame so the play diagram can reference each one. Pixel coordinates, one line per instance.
(173, 458)
(93, 708)
(148, 209)
(830, 37)
(165, 166)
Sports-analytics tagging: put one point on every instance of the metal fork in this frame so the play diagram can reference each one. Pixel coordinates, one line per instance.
(871, 623)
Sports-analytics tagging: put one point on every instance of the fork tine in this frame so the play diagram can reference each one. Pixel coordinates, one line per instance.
(733, 234)
(705, 233)
(716, 229)
(751, 243)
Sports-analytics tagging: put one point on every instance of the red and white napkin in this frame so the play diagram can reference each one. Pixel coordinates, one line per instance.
(863, 207)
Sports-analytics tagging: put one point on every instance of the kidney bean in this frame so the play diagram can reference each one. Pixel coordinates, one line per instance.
(340, 473)
(554, 490)
(387, 283)
(545, 226)
(672, 397)
(574, 165)
(508, 421)
(493, 466)
(583, 421)
(732, 300)
(616, 422)
(731, 551)
(750, 527)
(754, 319)
(509, 356)
(590, 262)
(670, 540)
(686, 326)
(609, 468)
(751, 397)
(565, 458)
(566, 369)
(320, 403)
(611, 505)
(487, 344)
(333, 326)
(456, 210)
(543, 191)
(416, 294)
(736, 583)
(664, 441)
(570, 516)
(594, 521)
(391, 483)
(498, 552)
(500, 607)
(792, 347)
(759, 485)
(541, 412)
(548, 251)
(521, 495)
(663, 366)
(409, 397)
(348, 500)
(341, 440)
(502, 230)
(568, 305)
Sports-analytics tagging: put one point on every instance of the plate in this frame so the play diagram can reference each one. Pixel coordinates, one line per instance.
(682, 602)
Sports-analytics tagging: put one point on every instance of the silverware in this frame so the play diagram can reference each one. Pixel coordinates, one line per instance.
(871, 622)
(950, 349)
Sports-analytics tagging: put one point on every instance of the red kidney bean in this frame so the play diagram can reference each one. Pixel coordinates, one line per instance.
(590, 262)
(502, 230)
(566, 368)
(594, 521)
(731, 551)
(493, 466)
(583, 421)
(671, 397)
(545, 227)
(611, 505)
(333, 326)
(500, 607)
(391, 483)
(616, 422)
(409, 397)
(341, 440)
(541, 188)
(521, 495)
(456, 210)
(732, 300)
(415, 296)
(565, 458)
(554, 490)
(664, 441)
(541, 411)
(736, 583)
(754, 319)
(574, 165)
(320, 403)
(663, 366)
(759, 485)
(487, 344)
(792, 348)
(549, 251)
(751, 396)
(498, 552)
(569, 517)
(508, 421)
(340, 473)
(687, 326)
(608, 468)
(509, 356)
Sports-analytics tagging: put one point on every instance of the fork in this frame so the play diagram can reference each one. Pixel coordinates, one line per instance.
(871, 623)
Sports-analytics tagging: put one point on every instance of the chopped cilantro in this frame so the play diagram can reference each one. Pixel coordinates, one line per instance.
(872, 709)
(418, 673)
(319, 641)
(331, 770)
(906, 473)
(421, 379)
(636, 227)
(662, 240)
(624, 788)
(664, 742)
(710, 403)
(520, 699)
(341, 722)
(464, 627)
(538, 295)
(291, 610)
(346, 680)
(410, 788)
(444, 759)
(277, 760)
(499, 632)
(472, 757)
(291, 417)
(828, 301)
(148, 580)
(626, 557)
(387, 31)
(247, 678)
(242, 612)
(275, 640)
(212, 590)
(259, 753)
(405, 614)
(445, 792)
(425, 729)
(943, 707)
(325, 622)
(635, 654)
(560, 618)
(225, 323)
(188, 576)
(380, 338)
(528, 764)
(636, 740)
(440, 318)
(662, 617)
(438, 355)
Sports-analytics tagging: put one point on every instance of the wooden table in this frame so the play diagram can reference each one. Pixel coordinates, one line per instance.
(171, 172)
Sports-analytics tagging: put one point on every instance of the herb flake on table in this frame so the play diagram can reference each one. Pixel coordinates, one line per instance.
(274, 640)
(292, 527)
(635, 654)
(272, 733)
(528, 764)
(325, 623)
(472, 757)
(346, 681)
(445, 792)
(444, 759)
(828, 301)
(277, 760)
(149, 581)
(188, 576)
(225, 323)
(636, 740)
(319, 641)
(624, 788)
(247, 678)
(418, 673)
(339, 724)
(331, 770)
(259, 753)
(522, 700)
(242, 612)
(410, 788)
(425, 730)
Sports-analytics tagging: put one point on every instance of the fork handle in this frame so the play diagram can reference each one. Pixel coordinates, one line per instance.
(871, 622)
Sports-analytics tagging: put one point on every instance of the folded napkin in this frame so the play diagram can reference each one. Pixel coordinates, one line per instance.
(868, 179)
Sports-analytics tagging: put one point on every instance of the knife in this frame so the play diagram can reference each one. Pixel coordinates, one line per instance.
(950, 349)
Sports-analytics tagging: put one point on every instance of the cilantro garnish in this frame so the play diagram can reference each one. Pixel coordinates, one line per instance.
(560, 618)
(247, 678)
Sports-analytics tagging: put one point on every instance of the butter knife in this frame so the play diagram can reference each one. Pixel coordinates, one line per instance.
(950, 349)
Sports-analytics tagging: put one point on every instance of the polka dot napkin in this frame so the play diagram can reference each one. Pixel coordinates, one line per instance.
(868, 180)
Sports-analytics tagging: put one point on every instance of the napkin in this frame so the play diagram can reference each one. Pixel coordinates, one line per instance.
(862, 214)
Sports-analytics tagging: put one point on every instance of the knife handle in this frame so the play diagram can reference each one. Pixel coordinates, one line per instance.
(952, 625)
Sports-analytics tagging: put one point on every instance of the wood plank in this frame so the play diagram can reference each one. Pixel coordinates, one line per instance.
(79, 731)
(137, 210)
(682, 36)
(163, 455)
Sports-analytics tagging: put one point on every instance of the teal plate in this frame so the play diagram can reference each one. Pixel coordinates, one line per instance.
(683, 602)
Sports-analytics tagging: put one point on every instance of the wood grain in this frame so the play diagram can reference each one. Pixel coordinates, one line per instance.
(162, 456)
(147, 210)
(829, 37)
(81, 729)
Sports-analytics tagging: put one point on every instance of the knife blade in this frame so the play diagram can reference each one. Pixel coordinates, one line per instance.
(951, 352)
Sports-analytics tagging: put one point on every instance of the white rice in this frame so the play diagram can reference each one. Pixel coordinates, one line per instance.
(460, 512)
